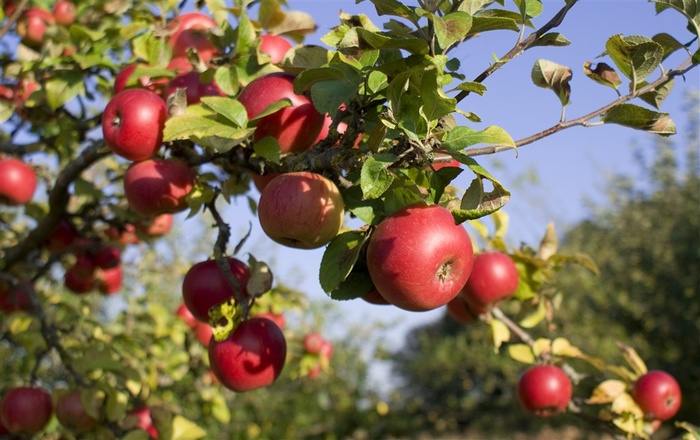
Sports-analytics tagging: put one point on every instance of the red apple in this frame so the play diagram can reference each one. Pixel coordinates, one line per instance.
(203, 333)
(121, 81)
(26, 410)
(301, 210)
(9, 6)
(494, 279)
(15, 298)
(295, 127)
(17, 182)
(107, 257)
(144, 421)
(277, 318)
(23, 92)
(4, 432)
(459, 310)
(326, 351)
(261, 182)
(544, 390)
(418, 258)
(184, 313)
(194, 85)
(155, 226)
(158, 186)
(133, 122)
(124, 235)
(7, 93)
(110, 281)
(190, 31)
(62, 237)
(71, 413)
(32, 25)
(80, 277)
(274, 46)
(313, 343)
(205, 286)
(658, 395)
(251, 357)
(452, 163)
(64, 12)
(315, 371)
(374, 297)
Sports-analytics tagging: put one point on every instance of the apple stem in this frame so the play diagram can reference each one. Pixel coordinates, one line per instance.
(513, 327)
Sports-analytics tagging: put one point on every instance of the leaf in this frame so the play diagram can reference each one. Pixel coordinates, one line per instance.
(435, 103)
(606, 392)
(632, 358)
(549, 243)
(581, 259)
(630, 115)
(269, 148)
(689, 8)
(484, 24)
(542, 345)
(500, 333)
(328, 95)
(355, 285)
(550, 39)
(339, 258)
(472, 87)
(635, 56)
(293, 22)
(521, 353)
(395, 8)
(668, 43)
(260, 280)
(529, 8)
(219, 409)
(63, 86)
(377, 81)
(375, 178)
(184, 429)
(377, 40)
(534, 318)
(230, 109)
(658, 95)
(273, 108)
(602, 74)
(452, 28)
(624, 403)
(562, 347)
(550, 75)
(462, 137)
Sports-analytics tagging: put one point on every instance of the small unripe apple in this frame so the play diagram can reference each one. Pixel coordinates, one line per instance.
(301, 210)
(26, 410)
(71, 413)
(494, 279)
(544, 390)
(158, 186)
(17, 182)
(658, 395)
(274, 46)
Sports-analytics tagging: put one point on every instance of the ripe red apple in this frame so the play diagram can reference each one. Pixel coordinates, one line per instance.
(658, 395)
(301, 210)
(195, 87)
(133, 122)
(109, 281)
(184, 313)
(374, 297)
(274, 46)
(62, 237)
(15, 298)
(122, 79)
(494, 279)
(23, 92)
(9, 6)
(17, 182)
(155, 226)
(71, 413)
(295, 127)
(459, 310)
(544, 390)
(313, 343)
(452, 163)
(261, 182)
(3, 430)
(277, 318)
(205, 286)
(144, 421)
(124, 235)
(418, 258)
(80, 277)
(7, 93)
(26, 410)
(64, 12)
(32, 25)
(190, 31)
(203, 333)
(326, 351)
(251, 357)
(158, 186)
(107, 257)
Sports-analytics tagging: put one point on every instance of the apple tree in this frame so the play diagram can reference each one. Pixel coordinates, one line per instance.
(125, 113)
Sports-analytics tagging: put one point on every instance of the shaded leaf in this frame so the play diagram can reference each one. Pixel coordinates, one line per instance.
(689, 8)
(551, 39)
(602, 74)
(668, 43)
(550, 75)
(339, 258)
(63, 86)
(462, 137)
(630, 115)
(376, 40)
(633, 359)
(395, 8)
(635, 56)
(484, 24)
(451, 28)
(658, 95)
(269, 148)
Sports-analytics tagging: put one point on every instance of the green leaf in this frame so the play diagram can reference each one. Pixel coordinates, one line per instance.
(306, 57)
(339, 258)
(668, 43)
(529, 8)
(435, 103)
(477, 202)
(602, 74)
(183, 429)
(220, 409)
(463, 137)
(377, 40)
(534, 318)
(272, 108)
(375, 178)
(635, 56)
(395, 8)
(329, 94)
(485, 23)
(472, 87)
(452, 28)
(269, 148)
(355, 285)
(657, 96)
(63, 86)
(551, 39)
(377, 81)
(230, 109)
(689, 8)
(227, 80)
(640, 118)
(550, 75)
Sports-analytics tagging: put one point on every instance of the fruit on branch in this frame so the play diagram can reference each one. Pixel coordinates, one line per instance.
(122, 80)
(313, 343)
(17, 182)
(26, 410)
(32, 25)
(23, 91)
(62, 237)
(494, 279)
(107, 257)
(544, 390)
(459, 310)
(195, 87)
(374, 297)
(109, 281)
(155, 226)
(142, 420)
(326, 351)
(158, 186)
(277, 318)
(295, 127)
(190, 30)
(203, 333)
(187, 317)
(80, 277)
(418, 258)
(274, 46)
(301, 210)
(71, 413)
(122, 235)
(658, 395)
(64, 12)
(251, 357)
(453, 163)
(133, 122)
(15, 298)
(261, 182)
(206, 286)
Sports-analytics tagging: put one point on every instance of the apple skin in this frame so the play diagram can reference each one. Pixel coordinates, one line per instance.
(124, 235)
(80, 278)
(32, 25)
(121, 81)
(17, 182)
(190, 30)
(205, 286)
(277, 318)
(544, 390)
(195, 87)
(26, 410)
(6, 93)
(494, 279)
(203, 333)
(71, 413)
(374, 297)
(62, 237)
(301, 210)
(261, 182)
(110, 281)
(158, 186)
(295, 127)
(453, 163)
(187, 317)
(313, 343)
(658, 395)
(274, 46)
(64, 12)
(15, 298)
(326, 350)
(133, 122)
(144, 421)
(107, 257)
(459, 310)
(253, 355)
(418, 258)
(156, 226)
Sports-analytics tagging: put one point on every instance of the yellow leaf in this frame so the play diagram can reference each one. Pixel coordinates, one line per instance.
(521, 353)
(184, 429)
(607, 391)
(624, 404)
(562, 347)
(549, 243)
(501, 220)
(633, 359)
(542, 345)
(500, 333)
(536, 317)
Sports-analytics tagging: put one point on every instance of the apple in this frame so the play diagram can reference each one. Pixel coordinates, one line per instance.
(418, 258)
(315, 371)
(32, 25)
(658, 395)
(7, 93)
(107, 257)
(124, 235)
(203, 333)
(205, 286)
(313, 342)
(62, 237)
(190, 31)
(195, 87)
(326, 351)
(301, 210)
(274, 46)
(121, 81)
(71, 413)
(374, 297)
(4, 432)
(494, 279)
(109, 281)
(295, 127)
(142, 416)
(9, 6)
(251, 357)
(453, 163)
(133, 122)
(462, 312)
(261, 182)
(544, 390)
(23, 92)
(277, 318)
(158, 186)
(17, 182)
(15, 298)
(155, 226)
(64, 12)
(80, 277)
(26, 410)
(187, 317)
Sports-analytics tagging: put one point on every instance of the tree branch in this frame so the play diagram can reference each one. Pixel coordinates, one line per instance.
(19, 9)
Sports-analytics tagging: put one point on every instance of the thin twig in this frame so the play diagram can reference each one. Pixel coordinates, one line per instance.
(513, 327)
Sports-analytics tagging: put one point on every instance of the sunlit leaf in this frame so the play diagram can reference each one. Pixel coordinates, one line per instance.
(183, 429)
(550, 75)
(339, 258)
(635, 56)
(451, 28)
(607, 391)
(602, 74)
(640, 118)
(633, 359)
(551, 39)
(375, 178)
(500, 333)
(521, 353)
